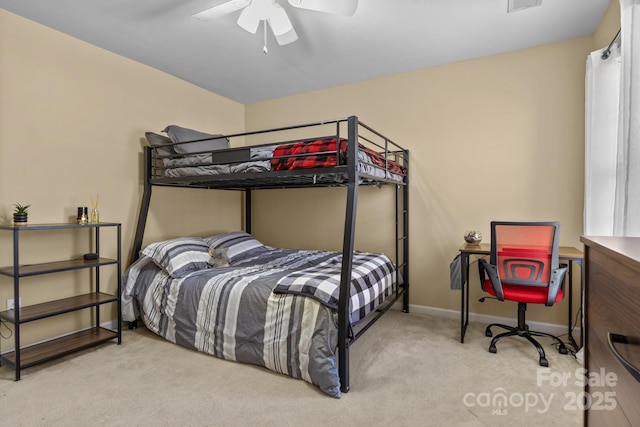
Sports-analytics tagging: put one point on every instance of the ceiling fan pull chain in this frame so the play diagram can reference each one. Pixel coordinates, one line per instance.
(264, 48)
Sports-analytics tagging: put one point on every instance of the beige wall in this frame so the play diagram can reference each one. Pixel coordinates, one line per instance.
(72, 123)
(608, 26)
(497, 137)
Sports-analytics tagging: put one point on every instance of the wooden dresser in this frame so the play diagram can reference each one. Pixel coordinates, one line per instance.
(612, 313)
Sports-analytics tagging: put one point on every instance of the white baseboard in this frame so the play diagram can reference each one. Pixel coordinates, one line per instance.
(550, 328)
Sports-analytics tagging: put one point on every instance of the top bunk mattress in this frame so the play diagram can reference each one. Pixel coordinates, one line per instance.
(315, 160)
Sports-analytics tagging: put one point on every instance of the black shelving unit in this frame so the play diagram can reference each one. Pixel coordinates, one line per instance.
(21, 356)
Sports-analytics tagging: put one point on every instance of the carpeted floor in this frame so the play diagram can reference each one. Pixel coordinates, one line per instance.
(407, 370)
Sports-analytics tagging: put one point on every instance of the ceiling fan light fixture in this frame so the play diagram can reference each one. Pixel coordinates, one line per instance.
(270, 12)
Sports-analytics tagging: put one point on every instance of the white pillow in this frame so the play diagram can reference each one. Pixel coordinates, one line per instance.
(180, 256)
(239, 244)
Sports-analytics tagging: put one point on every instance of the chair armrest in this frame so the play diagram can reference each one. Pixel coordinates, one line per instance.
(492, 273)
(555, 281)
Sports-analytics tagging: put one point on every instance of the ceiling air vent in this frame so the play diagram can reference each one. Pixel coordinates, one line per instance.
(516, 5)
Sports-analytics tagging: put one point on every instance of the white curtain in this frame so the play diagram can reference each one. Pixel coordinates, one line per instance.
(601, 121)
(612, 151)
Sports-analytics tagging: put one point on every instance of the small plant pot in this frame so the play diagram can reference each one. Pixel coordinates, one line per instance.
(19, 218)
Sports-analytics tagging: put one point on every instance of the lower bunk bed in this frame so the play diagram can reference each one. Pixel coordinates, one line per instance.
(295, 312)
(270, 307)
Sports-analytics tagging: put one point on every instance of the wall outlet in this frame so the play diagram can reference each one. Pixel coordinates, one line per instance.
(11, 305)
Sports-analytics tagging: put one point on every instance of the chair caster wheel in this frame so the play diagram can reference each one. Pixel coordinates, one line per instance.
(488, 333)
(493, 349)
(544, 362)
(563, 350)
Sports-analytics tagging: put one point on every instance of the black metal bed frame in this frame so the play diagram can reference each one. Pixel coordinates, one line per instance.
(357, 132)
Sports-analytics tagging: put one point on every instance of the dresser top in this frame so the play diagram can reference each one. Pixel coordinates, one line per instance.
(625, 249)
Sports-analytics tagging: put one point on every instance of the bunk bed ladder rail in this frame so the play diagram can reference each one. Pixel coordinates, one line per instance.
(401, 219)
(404, 265)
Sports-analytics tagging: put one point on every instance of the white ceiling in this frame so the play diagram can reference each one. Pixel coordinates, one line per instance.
(383, 37)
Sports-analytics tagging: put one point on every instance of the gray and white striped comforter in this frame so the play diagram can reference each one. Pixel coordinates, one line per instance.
(275, 310)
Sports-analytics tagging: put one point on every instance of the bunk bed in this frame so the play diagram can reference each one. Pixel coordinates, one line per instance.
(346, 292)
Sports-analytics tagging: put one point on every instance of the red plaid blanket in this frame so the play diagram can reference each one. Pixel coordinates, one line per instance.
(305, 155)
(322, 154)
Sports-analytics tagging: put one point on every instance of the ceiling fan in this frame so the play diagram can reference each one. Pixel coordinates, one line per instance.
(269, 11)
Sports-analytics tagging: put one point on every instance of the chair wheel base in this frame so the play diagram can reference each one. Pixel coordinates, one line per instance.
(563, 350)
(493, 349)
(544, 362)
(488, 333)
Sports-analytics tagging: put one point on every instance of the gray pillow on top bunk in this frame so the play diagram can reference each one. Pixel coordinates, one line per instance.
(180, 134)
(164, 144)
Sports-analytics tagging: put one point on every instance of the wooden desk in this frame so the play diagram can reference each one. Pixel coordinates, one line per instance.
(567, 253)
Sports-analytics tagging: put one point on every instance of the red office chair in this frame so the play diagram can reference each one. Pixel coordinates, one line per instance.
(524, 267)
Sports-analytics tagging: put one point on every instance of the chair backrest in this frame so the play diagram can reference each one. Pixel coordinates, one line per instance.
(525, 252)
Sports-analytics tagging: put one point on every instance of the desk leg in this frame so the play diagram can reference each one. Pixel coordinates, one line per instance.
(582, 331)
(464, 294)
(570, 322)
(569, 334)
(573, 341)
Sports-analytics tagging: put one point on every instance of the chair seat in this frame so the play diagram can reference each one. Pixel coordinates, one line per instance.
(526, 294)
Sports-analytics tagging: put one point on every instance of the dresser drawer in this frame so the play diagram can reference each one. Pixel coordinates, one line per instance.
(601, 363)
(609, 418)
(613, 295)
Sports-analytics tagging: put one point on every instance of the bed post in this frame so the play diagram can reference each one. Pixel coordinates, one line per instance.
(144, 206)
(347, 256)
(247, 210)
(405, 230)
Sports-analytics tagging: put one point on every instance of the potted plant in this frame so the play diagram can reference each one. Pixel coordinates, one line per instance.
(20, 214)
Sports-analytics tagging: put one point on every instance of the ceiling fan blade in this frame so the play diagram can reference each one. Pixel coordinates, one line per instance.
(250, 19)
(336, 7)
(278, 20)
(221, 9)
(286, 38)
(281, 25)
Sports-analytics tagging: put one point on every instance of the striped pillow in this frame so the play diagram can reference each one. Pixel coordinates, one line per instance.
(239, 244)
(180, 256)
